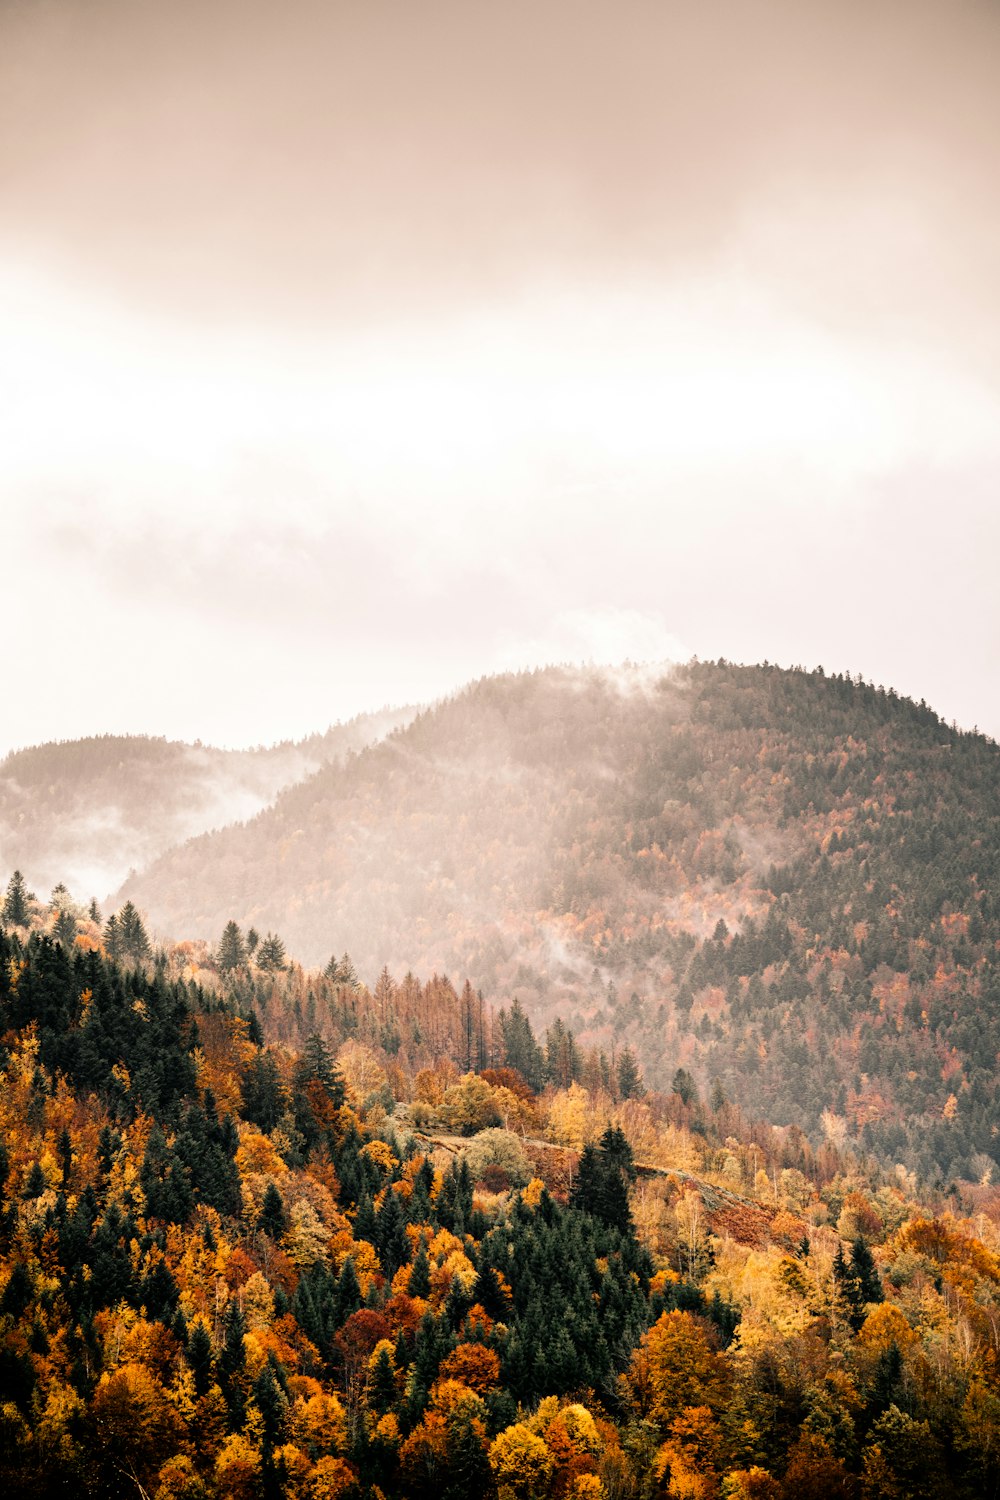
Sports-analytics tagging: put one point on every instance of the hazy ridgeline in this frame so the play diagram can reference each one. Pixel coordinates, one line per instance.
(779, 879)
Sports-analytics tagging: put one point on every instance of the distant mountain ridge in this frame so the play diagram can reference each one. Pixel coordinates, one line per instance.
(87, 811)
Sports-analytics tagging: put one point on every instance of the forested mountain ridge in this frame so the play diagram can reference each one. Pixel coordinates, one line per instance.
(784, 879)
(87, 811)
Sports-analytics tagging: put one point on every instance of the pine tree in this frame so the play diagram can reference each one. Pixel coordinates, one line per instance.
(263, 1092)
(391, 1239)
(520, 1049)
(36, 1182)
(59, 899)
(15, 906)
(133, 940)
(112, 938)
(65, 1149)
(273, 1220)
(342, 971)
(420, 1273)
(865, 1273)
(382, 1383)
(232, 949)
(684, 1085)
(347, 1295)
(271, 953)
(603, 1176)
(316, 1063)
(64, 929)
(630, 1085)
(199, 1356)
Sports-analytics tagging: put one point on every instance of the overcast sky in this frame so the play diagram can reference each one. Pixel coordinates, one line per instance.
(352, 350)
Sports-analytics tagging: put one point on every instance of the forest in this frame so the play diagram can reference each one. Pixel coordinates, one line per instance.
(685, 1185)
(786, 880)
(267, 1231)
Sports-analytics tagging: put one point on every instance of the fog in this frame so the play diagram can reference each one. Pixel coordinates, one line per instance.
(353, 351)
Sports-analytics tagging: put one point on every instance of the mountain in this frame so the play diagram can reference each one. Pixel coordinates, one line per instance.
(782, 879)
(87, 811)
(265, 1231)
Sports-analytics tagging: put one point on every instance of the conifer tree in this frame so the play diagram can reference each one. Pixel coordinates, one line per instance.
(520, 1049)
(390, 1234)
(347, 1296)
(684, 1086)
(271, 953)
(64, 929)
(132, 939)
(420, 1273)
(273, 1220)
(15, 906)
(630, 1085)
(199, 1357)
(382, 1383)
(112, 937)
(263, 1092)
(232, 948)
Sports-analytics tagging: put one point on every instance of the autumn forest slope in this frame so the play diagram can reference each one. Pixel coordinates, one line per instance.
(87, 811)
(783, 879)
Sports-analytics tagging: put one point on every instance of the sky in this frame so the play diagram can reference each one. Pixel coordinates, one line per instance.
(349, 351)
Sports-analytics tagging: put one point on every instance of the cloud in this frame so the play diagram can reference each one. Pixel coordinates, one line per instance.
(605, 636)
(353, 347)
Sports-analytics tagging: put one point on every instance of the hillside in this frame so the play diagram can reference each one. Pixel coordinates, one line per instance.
(784, 880)
(233, 1271)
(85, 812)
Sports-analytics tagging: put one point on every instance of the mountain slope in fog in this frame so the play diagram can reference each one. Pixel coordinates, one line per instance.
(780, 879)
(87, 811)
(570, 817)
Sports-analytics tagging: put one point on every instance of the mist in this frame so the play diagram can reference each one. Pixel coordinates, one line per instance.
(351, 352)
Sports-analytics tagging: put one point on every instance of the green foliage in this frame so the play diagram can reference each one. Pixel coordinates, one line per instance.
(15, 905)
(232, 948)
(270, 953)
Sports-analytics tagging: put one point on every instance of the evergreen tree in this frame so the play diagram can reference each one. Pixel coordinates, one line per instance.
(65, 1149)
(271, 953)
(273, 1220)
(347, 1296)
(133, 940)
(391, 1239)
(382, 1384)
(263, 1093)
(630, 1085)
(419, 1284)
(35, 1183)
(864, 1271)
(684, 1086)
(603, 1176)
(232, 949)
(520, 1049)
(15, 906)
(112, 938)
(341, 971)
(199, 1357)
(64, 928)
